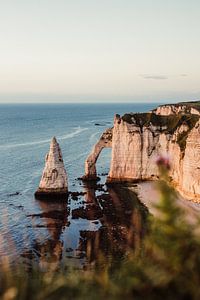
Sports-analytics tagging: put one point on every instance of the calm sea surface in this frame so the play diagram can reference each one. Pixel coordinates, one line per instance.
(27, 225)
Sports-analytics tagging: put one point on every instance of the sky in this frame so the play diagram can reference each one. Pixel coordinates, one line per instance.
(99, 50)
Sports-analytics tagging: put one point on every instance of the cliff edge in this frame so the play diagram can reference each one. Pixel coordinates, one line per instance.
(138, 139)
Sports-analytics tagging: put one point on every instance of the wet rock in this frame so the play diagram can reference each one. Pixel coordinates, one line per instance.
(14, 194)
(95, 222)
(69, 250)
(75, 195)
(91, 178)
(90, 212)
(98, 124)
(21, 207)
(100, 187)
(104, 174)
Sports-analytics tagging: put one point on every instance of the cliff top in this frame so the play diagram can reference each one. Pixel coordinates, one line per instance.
(190, 104)
(166, 123)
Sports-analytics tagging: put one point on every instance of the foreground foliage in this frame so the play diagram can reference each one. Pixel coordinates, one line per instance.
(167, 266)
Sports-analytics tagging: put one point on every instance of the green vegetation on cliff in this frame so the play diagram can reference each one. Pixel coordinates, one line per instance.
(188, 104)
(166, 124)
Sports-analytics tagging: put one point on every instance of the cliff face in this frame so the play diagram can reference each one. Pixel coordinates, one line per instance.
(166, 110)
(138, 140)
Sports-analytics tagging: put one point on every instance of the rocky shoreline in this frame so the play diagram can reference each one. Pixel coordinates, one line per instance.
(113, 207)
(137, 140)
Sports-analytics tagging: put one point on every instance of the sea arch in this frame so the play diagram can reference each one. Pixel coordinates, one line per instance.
(105, 141)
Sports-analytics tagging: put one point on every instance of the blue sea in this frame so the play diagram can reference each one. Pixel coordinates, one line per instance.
(25, 133)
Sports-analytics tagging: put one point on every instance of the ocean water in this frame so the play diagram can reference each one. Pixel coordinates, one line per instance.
(27, 225)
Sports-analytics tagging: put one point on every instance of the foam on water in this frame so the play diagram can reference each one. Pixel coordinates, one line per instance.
(76, 131)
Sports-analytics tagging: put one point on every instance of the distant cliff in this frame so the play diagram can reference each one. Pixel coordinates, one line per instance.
(138, 139)
(182, 107)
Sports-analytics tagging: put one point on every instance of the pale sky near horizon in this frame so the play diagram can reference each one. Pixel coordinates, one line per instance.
(107, 50)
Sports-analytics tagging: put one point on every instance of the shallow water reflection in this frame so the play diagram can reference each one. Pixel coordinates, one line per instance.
(114, 221)
(123, 223)
(54, 218)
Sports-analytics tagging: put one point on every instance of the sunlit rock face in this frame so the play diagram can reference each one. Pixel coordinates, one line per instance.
(53, 183)
(175, 109)
(139, 139)
(105, 141)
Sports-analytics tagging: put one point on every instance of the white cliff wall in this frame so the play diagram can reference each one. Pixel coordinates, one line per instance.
(190, 182)
(135, 150)
(166, 110)
(133, 153)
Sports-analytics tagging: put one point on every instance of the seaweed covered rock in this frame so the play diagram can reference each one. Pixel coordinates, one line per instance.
(53, 184)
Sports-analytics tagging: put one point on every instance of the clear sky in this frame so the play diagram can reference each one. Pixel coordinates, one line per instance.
(99, 50)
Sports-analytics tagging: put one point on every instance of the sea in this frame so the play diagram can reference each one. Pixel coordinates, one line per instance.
(52, 231)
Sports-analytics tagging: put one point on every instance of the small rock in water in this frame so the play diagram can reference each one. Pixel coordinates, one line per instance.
(104, 174)
(98, 124)
(74, 195)
(17, 206)
(14, 194)
(69, 250)
(95, 222)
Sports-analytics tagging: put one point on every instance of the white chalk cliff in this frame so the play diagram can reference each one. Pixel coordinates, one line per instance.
(54, 178)
(139, 139)
(170, 109)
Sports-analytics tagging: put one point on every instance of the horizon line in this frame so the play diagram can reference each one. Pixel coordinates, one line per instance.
(96, 102)
(83, 102)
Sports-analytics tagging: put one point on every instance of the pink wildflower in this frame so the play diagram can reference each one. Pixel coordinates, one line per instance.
(163, 161)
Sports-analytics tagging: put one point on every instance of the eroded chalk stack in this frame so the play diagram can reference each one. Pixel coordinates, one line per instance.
(53, 184)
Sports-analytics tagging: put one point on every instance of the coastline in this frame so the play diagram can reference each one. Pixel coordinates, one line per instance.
(148, 194)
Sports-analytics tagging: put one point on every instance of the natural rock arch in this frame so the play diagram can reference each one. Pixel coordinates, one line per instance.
(105, 141)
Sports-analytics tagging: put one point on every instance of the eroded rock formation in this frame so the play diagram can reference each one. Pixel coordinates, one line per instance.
(53, 183)
(105, 141)
(139, 139)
